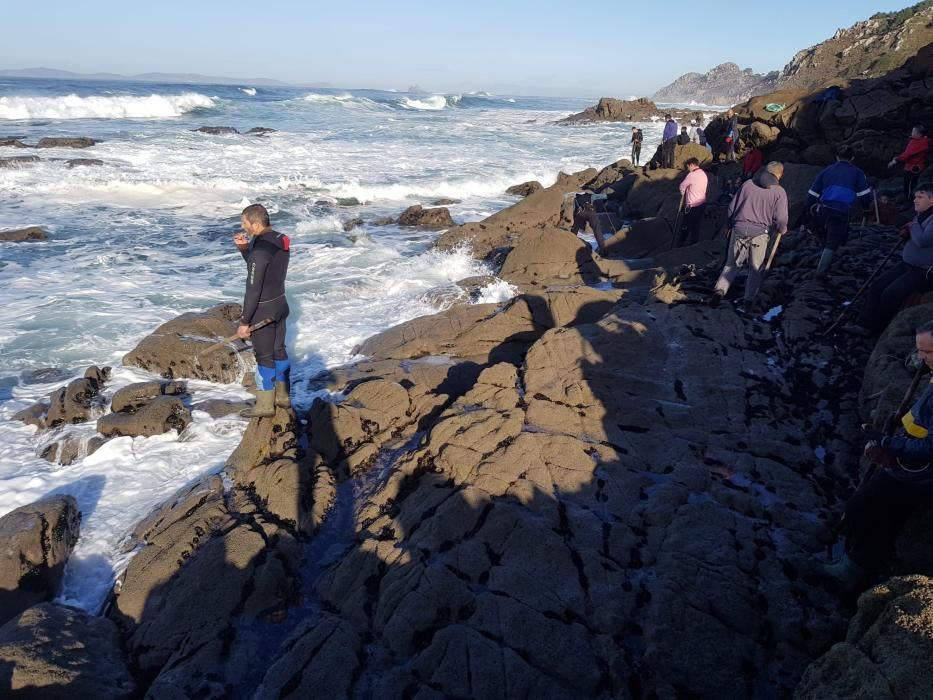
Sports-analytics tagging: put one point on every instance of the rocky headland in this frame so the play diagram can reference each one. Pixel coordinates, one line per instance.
(868, 49)
(609, 109)
(600, 488)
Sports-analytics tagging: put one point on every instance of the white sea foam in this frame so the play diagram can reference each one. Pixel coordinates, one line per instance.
(432, 103)
(496, 292)
(249, 91)
(342, 100)
(100, 107)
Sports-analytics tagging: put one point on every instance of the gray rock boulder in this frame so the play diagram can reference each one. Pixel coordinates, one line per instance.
(35, 542)
(32, 233)
(416, 215)
(134, 396)
(55, 142)
(157, 416)
(172, 349)
(50, 651)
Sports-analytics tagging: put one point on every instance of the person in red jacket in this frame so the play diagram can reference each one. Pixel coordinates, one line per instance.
(752, 162)
(914, 158)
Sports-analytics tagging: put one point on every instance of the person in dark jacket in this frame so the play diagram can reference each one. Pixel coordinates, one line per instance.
(683, 138)
(834, 192)
(757, 210)
(914, 158)
(912, 275)
(668, 142)
(637, 138)
(731, 135)
(266, 253)
(902, 479)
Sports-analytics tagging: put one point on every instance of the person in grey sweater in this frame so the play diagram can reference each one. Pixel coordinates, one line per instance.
(914, 274)
(758, 209)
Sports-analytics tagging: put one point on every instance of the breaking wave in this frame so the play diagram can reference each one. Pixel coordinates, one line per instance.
(101, 107)
(433, 103)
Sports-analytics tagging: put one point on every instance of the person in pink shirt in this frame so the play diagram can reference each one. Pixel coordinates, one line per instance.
(693, 189)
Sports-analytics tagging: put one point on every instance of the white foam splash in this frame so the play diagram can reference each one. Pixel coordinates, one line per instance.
(249, 91)
(433, 103)
(342, 100)
(496, 292)
(100, 107)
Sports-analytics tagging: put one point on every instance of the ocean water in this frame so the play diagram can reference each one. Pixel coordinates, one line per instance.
(146, 236)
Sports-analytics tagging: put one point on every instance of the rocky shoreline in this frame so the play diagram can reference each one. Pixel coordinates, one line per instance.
(600, 488)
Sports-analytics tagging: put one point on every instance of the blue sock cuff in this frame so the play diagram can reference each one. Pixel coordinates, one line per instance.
(265, 377)
(282, 369)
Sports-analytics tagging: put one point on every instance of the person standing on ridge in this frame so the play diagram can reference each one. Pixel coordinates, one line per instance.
(914, 158)
(693, 188)
(758, 209)
(730, 136)
(266, 253)
(668, 141)
(683, 138)
(834, 191)
(914, 274)
(637, 138)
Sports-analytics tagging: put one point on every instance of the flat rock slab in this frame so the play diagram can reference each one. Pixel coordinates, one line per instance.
(158, 416)
(50, 652)
(32, 233)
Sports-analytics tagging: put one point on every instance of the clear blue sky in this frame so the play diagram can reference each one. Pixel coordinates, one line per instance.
(543, 47)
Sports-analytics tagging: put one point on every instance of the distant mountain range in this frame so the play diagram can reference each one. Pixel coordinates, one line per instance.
(195, 78)
(867, 49)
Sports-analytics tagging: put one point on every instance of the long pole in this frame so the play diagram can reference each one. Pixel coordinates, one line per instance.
(676, 231)
(877, 215)
(230, 339)
(861, 289)
(774, 248)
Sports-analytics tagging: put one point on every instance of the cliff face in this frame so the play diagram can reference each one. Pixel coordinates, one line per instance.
(867, 49)
(727, 83)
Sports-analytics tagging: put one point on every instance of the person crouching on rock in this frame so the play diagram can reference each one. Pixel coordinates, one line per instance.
(833, 192)
(913, 275)
(266, 253)
(693, 189)
(758, 209)
(584, 212)
(901, 478)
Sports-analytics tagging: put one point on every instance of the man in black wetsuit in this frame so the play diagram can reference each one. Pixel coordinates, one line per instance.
(637, 138)
(266, 254)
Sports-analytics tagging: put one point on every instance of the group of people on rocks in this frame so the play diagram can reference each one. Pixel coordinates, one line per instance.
(675, 135)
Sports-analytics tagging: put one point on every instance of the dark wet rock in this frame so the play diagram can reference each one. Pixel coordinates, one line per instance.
(154, 417)
(416, 215)
(444, 201)
(50, 651)
(18, 161)
(35, 542)
(352, 224)
(193, 550)
(83, 162)
(216, 130)
(261, 130)
(45, 375)
(347, 202)
(33, 233)
(55, 142)
(80, 400)
(218, 408)
(134, 396)
(384, 221)
(15, 143)
(69, 448)
(525, 188)
(33, 415)
(171, 351)
(609, 109)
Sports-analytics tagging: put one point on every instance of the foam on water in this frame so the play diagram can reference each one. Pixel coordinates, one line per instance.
(102, 107)
(146, 237)
(249, 91)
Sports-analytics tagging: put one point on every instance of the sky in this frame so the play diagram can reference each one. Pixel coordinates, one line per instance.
(524, 47)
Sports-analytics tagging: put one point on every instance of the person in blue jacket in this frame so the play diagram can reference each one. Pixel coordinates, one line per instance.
(901, 480)
(832, 194)
(668, 142)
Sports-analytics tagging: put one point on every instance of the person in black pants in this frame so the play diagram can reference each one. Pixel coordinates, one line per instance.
(637, 138)
(900, 479)
(912, 275)
(266, 253)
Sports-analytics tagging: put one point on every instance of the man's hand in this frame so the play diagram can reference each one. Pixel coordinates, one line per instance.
(243, 332)
(241, 241)
(877, 455)
(904, 232)
(892, 163)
